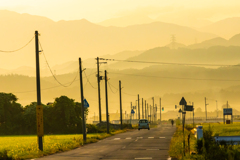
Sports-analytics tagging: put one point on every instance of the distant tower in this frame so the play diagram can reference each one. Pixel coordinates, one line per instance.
(173, 41)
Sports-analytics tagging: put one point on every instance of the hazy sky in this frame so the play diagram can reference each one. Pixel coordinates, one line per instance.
(99, 10)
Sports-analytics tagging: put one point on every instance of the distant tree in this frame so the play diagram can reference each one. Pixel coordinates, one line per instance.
(11, 119)
(198, 110)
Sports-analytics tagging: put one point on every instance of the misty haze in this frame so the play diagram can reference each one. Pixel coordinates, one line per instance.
(141, 59)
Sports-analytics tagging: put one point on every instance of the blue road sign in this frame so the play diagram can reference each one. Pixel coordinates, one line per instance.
(132, 111)
(85, 103)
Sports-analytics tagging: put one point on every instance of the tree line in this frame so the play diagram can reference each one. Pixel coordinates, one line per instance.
(61, 117)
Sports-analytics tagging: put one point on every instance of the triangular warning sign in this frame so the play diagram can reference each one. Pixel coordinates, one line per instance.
(183, 101)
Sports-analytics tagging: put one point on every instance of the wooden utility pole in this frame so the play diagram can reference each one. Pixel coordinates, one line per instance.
(39, 108)
(99, 96)
(82, 102)
(138, 108)
(160, 111)
(206, 107)
(142, 110)
(193, 113)
(107, 116)
(120, 97)
(153, 107)
(145, 111)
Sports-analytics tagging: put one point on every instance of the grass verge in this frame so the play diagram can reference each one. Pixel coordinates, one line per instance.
(26, 147)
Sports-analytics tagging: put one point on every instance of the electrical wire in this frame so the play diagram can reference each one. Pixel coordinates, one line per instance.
(52, 71)
(128, 94)
(89, 81)
(50, 87)
(111, 88)
(19, 48)
(230, 80)
(166, 63)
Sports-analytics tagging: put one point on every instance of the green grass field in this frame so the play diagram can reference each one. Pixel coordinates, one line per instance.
(224, 129)
(23, 147)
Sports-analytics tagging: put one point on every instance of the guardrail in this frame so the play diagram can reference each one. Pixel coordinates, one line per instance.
(235, 140)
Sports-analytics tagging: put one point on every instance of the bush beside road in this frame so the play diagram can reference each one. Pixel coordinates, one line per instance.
(206, 148)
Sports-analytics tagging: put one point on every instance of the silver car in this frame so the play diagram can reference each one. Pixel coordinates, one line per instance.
(143, 124)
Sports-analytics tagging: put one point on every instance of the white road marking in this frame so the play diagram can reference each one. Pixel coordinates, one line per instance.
(129, 138)
(150, 137)
(162, 137)
(144, 158)
(139, 137)
(117, 138)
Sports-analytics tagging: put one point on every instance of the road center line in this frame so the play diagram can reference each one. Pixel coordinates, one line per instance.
(161, 137)
(150, 137)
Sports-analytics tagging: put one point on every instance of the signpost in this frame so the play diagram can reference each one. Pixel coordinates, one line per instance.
(183, 103)
(188, 108)
(227, 111)
(85, 103)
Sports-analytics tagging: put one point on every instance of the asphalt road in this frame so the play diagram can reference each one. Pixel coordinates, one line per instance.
(143, 144)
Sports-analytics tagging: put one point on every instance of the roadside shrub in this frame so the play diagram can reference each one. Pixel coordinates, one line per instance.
(4, 156)
(92, 128)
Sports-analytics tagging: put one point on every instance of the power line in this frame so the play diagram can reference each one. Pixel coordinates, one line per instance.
(111, 88)
(230, 80)
(89, 81)
(49, 87)
(52, 71)
(19, 48)
(166, 63)
(129, 94)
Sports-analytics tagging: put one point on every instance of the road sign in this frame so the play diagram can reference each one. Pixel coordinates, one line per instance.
(39, 112)
(188, 108)
(183, 112)
(132, 111)
(183, 101)
(227, 111)
(85, 103)
(180, 110)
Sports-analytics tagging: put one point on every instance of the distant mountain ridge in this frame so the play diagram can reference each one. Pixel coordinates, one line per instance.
(81, 38)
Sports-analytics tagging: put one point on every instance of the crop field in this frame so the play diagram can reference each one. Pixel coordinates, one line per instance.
(22, 147)
(224, 129)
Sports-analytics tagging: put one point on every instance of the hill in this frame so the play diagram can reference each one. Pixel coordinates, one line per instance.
(216, 55)
(225, 28)
(65, 41)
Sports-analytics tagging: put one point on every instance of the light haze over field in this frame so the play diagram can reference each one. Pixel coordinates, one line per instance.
(169, 31)
(100, 10)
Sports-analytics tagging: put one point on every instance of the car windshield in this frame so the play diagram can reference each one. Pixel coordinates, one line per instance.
(143, 121)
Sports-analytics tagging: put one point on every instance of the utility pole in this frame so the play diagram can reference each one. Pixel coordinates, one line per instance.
(156, 112)
(99, 96)
(138, 108)
(206, 107)
(120, 97)
(145, 111)
(107, 116)
(153, 106)
(39, 108)
(193, 113)
(142, 110)
(160, 111)
(150, 113)
(227, 107)
(82, 102)
(217, 108)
